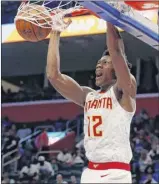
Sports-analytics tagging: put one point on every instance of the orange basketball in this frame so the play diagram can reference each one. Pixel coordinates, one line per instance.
(28, 30)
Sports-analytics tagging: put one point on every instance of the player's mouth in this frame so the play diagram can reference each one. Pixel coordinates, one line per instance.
(98, 75)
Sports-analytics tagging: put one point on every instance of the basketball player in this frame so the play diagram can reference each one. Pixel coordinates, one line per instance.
(107, 112)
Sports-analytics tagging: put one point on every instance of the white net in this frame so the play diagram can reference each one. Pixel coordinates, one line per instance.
(47, 14)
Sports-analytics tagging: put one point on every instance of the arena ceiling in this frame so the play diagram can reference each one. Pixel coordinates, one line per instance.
(77, 53)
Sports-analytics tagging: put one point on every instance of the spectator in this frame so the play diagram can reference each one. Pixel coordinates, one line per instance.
(54, 165)
(156, 133)
(45, 167)
(149, 179)
(154, 152)
(144, 139)
(12, 181)
(30, 172)
(22, 161)
(24, 172)
(149, 169)
(65, 157)
(137, 125)
(14, 128)
(59, 179)
(6, 122)
(78, 159)
(134, 180)
(73, 180)
(143, 115)
(144, 161)
(23, 132)
(42, 140)
(156, 125)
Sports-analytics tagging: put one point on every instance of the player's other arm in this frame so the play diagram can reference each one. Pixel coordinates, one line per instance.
(64, 84)
(125, 81)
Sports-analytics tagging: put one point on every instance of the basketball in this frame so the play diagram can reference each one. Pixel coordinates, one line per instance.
(30, 31)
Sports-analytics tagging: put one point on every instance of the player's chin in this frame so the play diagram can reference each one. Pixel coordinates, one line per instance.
(98, 83)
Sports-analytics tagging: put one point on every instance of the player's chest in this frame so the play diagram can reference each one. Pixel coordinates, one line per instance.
(98, 103)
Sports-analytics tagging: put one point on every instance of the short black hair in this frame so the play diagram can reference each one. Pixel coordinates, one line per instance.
(106, 53)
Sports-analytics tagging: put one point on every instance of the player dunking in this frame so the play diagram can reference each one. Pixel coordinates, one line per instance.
(107, 113)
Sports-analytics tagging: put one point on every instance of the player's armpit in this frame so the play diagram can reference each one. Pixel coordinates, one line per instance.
(124, 98)
(70, 89)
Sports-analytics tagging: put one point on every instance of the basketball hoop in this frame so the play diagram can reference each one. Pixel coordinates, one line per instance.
(57, 13)
(143, 5)
(131, 8)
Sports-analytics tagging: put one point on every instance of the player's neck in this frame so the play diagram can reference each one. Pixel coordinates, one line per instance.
(107, 86)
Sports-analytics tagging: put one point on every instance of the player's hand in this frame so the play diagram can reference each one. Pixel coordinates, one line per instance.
(59, 22)
(67, 22)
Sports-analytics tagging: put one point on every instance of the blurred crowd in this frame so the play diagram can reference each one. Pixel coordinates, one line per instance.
(64, 167)
(29, 95)
(67, 165)
(145, 146)
(32, 88)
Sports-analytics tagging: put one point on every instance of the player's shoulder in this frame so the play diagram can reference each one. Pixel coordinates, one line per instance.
(87, 89)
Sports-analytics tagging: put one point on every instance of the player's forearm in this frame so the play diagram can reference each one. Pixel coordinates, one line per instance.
(53, 57)
(116, 49)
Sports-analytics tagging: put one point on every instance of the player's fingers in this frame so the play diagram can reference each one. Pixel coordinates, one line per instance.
(68, 22)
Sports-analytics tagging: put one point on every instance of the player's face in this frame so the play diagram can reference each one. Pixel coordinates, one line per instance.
(104, 69)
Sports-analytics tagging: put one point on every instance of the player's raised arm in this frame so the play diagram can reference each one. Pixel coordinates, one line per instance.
(125, 81)
(64, 84)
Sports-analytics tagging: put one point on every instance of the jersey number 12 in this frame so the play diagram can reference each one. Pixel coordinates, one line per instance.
(93, 124)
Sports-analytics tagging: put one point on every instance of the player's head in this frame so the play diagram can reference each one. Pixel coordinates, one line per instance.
(105, 73)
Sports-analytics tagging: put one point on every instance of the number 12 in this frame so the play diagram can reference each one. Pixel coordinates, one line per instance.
(93, 130)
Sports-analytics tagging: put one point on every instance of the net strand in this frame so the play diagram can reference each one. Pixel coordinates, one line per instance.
(51, 17)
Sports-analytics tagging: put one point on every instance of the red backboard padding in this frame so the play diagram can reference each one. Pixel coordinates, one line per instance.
(143, 5)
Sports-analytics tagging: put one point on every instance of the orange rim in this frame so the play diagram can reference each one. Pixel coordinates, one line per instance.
(83, 11)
